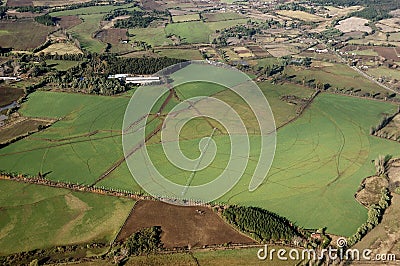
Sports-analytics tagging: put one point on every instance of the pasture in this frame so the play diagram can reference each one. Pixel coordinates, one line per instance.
(33, 216)
(384, 72)
(188, 54)
(184, 18)
(85, 31)
(320, 159)
(62, 65)
(198, 31)
(90, 127)
(152, 36)
(337, 75)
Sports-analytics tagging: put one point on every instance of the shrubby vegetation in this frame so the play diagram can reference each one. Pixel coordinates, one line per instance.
(46, 20)
(33, 9)
(137, 19)
(145, 241)
(375, 214)
(261, 224)
(244, 31)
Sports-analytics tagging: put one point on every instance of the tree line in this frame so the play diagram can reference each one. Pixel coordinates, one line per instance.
(375, 214)
(261, 224)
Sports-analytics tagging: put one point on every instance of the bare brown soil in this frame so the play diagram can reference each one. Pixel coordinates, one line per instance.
(20, 128)
(8, 95)
(387, 52)
(112, 36)
(181, 226)
(153, 5)
(67, 22)
(258, 51)
(19, 2)
(23, 34)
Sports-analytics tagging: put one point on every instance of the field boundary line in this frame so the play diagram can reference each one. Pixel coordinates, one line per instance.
(123, 225)
(301, 110)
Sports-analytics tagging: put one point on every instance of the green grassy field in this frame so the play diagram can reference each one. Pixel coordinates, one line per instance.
(72, 149)
(62, 65)
(337, 75)
(33, 216)
(319, 163)
(183, 18)
(198, 31)
(384, 72)
(84, 33)
(180, 53)
(152, 36)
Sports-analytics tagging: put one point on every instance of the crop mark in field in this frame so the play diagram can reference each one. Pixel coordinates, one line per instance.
(43, 159)
(53, 146)
(192, 175)
(140, 144)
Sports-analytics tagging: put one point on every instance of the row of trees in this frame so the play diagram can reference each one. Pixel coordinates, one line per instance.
(261, 224)
(375, 214)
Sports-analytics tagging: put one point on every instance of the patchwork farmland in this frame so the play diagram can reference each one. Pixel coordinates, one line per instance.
(330, 74)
